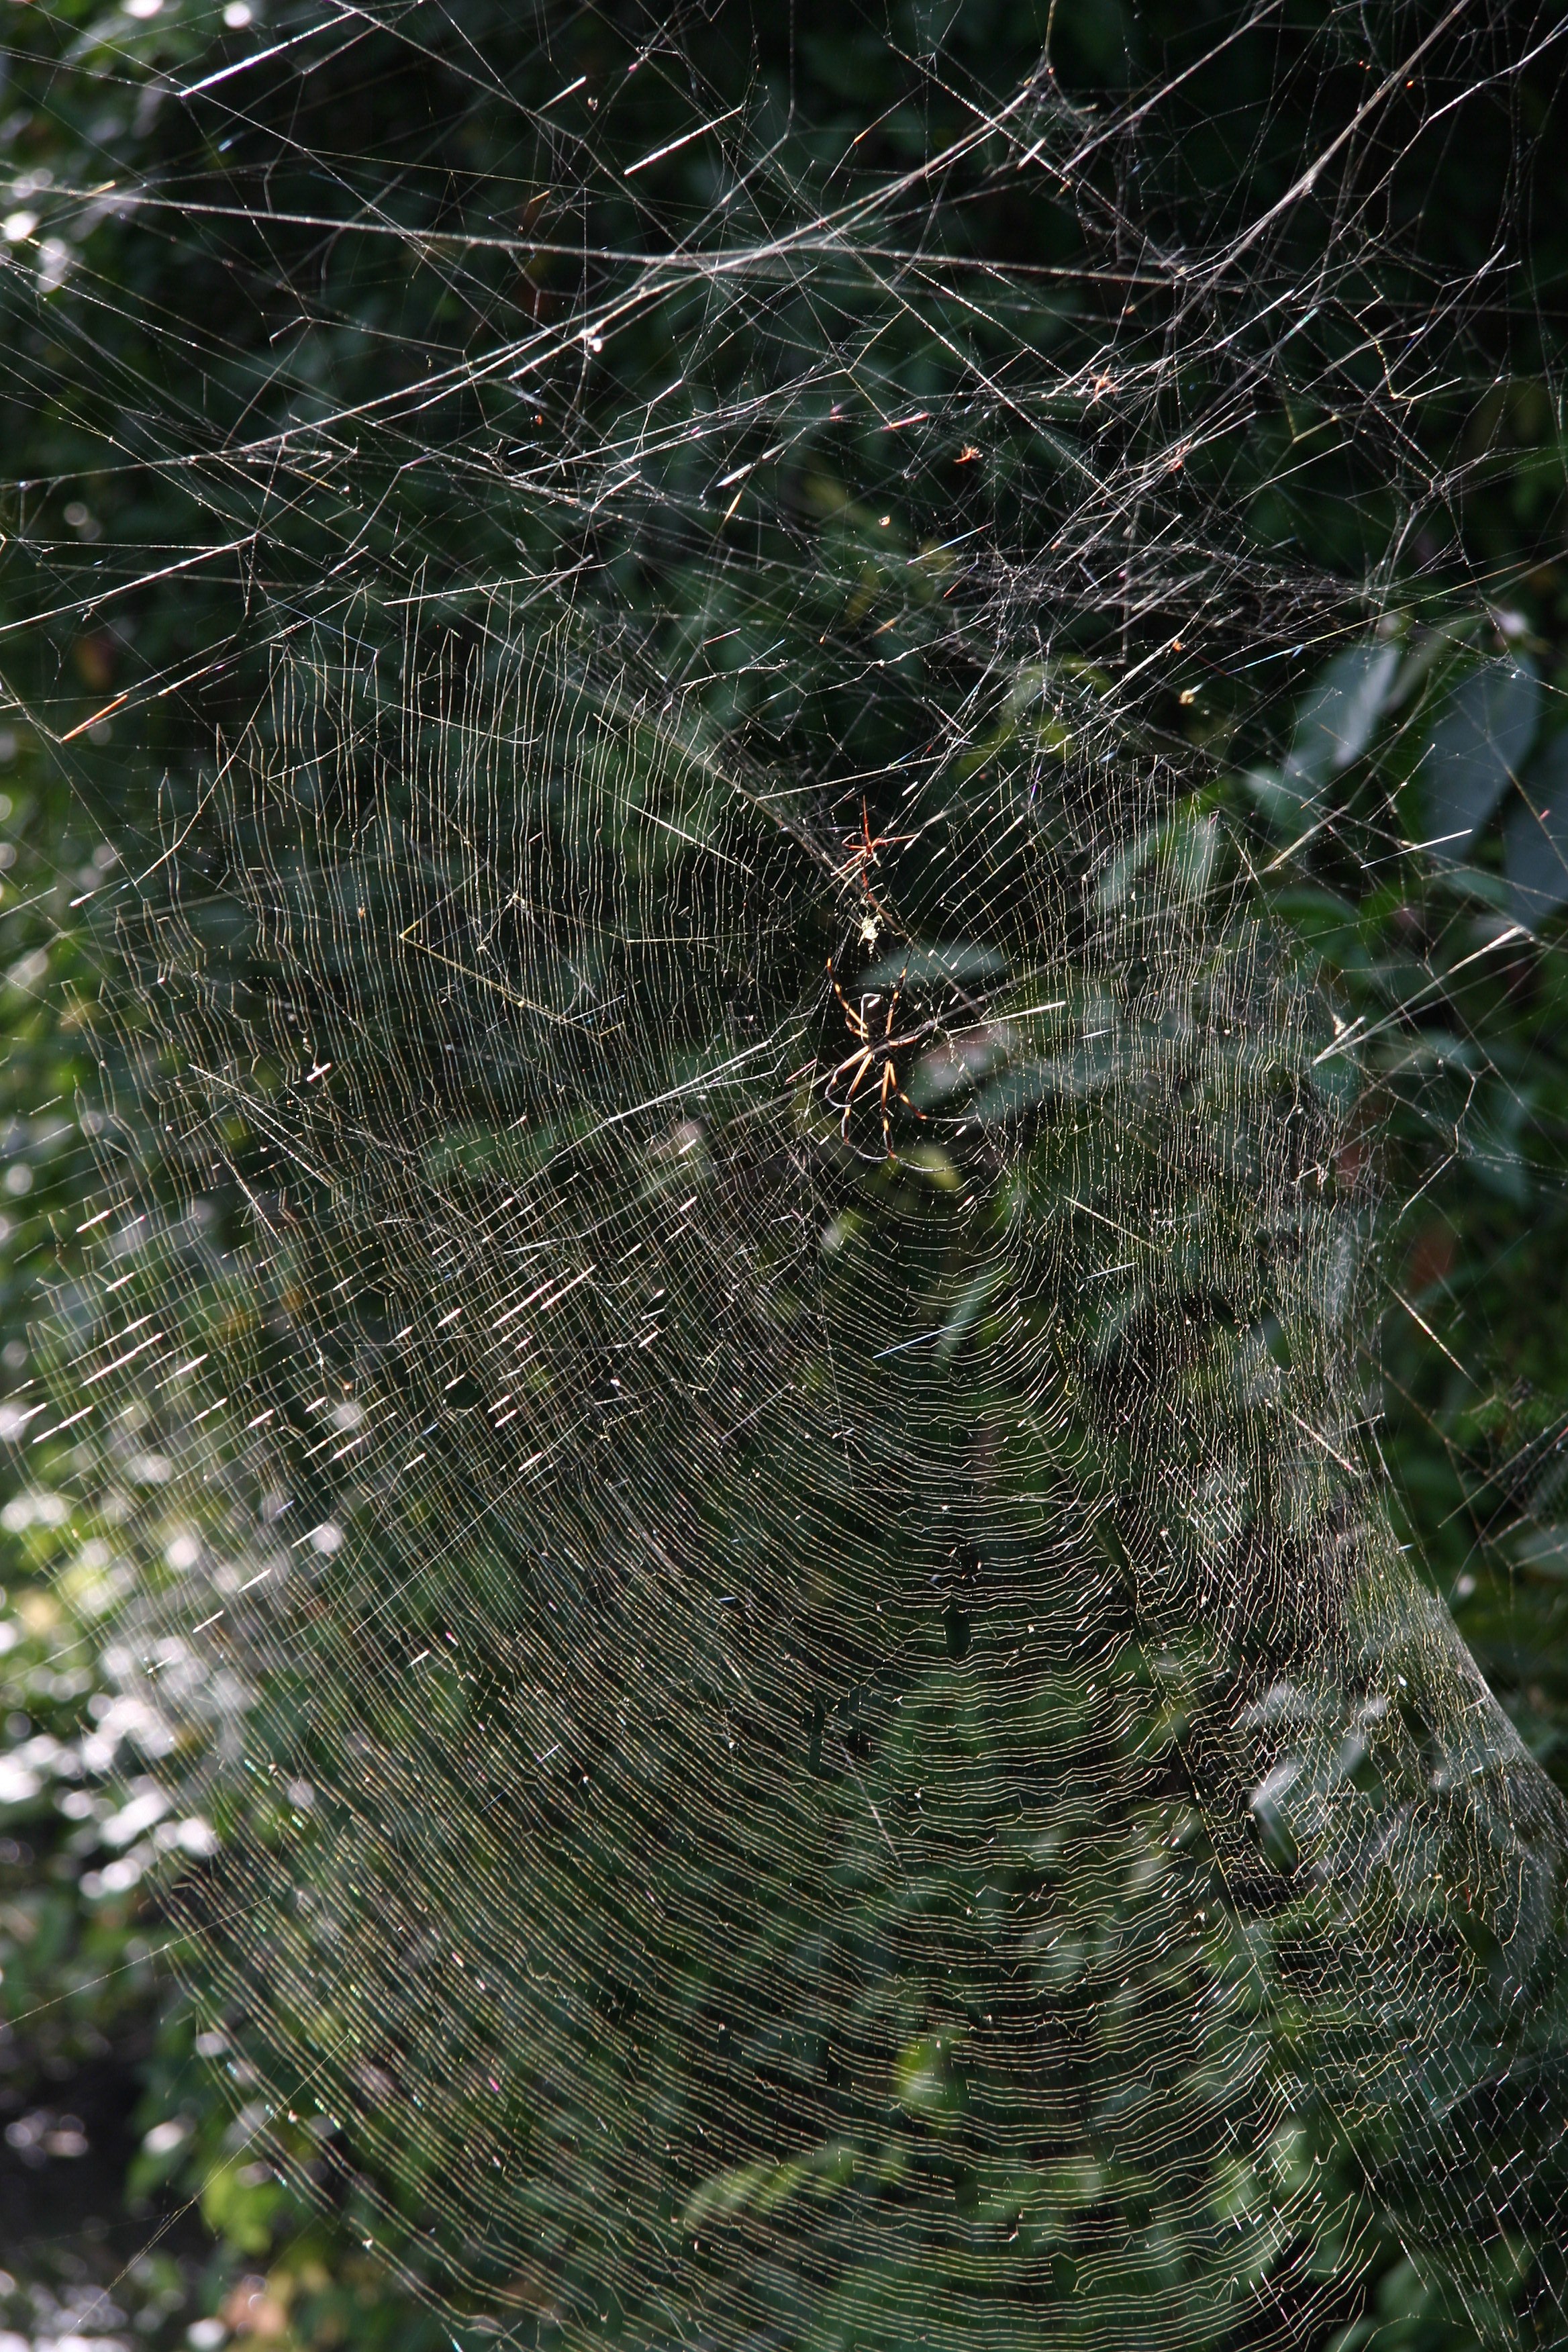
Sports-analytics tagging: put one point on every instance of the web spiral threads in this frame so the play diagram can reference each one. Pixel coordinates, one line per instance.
(817, 1732)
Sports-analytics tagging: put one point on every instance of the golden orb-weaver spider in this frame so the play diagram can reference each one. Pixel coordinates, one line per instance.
(872, 1028)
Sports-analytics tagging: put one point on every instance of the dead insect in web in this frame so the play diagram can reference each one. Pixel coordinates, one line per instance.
(872, 1024)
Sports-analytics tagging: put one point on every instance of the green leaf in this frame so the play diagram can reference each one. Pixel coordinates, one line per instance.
(1544, 1553)
(764, 2187)
(1338, 718)
(1335, 722)
(1475, 750)
(918, 966)
(1320, 918)
(1535, 840)
(1183, 853)
(1276, 1834)
(925, 2083)
(971, 1304)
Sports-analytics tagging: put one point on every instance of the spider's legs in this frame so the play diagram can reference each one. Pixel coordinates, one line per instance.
(890, 1088)
(862, 1069)
(857, 1020)
(896, 1044)
(855, 1061)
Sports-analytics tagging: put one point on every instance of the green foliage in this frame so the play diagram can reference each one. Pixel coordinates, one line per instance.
(1446, 1075)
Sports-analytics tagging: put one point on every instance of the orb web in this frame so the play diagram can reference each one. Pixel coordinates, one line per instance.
(756, 1243)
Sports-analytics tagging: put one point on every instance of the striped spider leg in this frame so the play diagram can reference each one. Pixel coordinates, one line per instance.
(872, 1027)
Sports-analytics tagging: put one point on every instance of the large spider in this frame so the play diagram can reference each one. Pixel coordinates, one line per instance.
(873, 1046)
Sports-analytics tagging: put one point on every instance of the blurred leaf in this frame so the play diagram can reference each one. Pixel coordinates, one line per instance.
(1276, 795)
(971, 1303)
(762, 2187)
(917, 966)
(925, 2083)
(1543, 1552)
(1270, 1812)
(1183, 851)
(1336, 722)
(1475, 750)
(242, 2207)
(1535, 840)
(1321, 918)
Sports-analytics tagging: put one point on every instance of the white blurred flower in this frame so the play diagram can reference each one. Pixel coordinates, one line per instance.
(16, 228)
(55, 258)
(327, 1538)
(35, 1510)
(132, 1820)
(116, 1877)
(125, 1717)
(192, 1836)
(16, 1786)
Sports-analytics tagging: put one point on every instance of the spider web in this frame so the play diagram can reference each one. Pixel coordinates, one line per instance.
(755, 1238)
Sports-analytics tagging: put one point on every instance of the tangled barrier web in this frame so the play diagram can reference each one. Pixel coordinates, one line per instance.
(749, 1236)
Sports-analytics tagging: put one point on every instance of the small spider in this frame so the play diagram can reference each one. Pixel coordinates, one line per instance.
(872, 1046)
(865, 844)
(864, 847)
